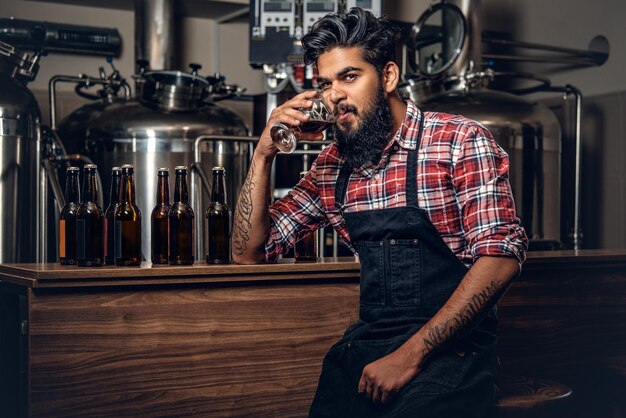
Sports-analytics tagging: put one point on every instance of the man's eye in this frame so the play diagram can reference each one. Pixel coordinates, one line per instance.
(350, 77)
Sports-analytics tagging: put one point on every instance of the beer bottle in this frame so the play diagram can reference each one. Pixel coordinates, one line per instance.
(181, 222)
(306, 248)
(90, 223)
(109, 216)
(159, 218)
(127, 222)
(67, 222)
(218, 217)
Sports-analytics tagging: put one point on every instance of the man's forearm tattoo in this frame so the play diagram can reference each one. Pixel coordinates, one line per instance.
(243, 215)
(477, 304)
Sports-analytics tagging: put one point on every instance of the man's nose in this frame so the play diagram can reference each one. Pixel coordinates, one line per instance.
(335, 95)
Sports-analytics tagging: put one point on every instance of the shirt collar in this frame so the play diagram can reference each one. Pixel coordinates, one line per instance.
(412, 119)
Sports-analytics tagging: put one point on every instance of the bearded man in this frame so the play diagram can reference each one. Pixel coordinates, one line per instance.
(425, 201)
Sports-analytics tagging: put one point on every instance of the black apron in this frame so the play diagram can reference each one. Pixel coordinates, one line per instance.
(407, 275)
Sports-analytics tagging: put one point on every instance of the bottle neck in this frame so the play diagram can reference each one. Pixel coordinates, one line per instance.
(90, 190)
(72, 190)
(218, 194)
(180, 191)
(163, 191)
(114, 194)
(128, 189)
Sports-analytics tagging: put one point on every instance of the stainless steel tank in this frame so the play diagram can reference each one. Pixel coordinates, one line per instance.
(530, 133)
(159, 128)
(20, 158)
(444, 50)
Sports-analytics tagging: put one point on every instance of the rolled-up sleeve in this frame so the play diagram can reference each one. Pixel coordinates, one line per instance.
(294, 216)
(481, 180)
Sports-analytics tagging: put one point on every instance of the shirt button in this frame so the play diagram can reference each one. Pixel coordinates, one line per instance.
(393, 242)
(377, 176)
(395, 148)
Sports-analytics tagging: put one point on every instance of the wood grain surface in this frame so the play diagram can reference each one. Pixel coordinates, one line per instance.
(230, 351)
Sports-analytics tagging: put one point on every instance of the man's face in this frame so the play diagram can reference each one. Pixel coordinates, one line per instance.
(352, 87)
(349, 84)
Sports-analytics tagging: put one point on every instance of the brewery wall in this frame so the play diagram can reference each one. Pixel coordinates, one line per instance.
(223, 47)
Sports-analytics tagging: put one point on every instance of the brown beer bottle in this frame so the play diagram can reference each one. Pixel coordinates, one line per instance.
(306, 248)
(181, 222)
(218, 219)
(109, 216)
(90, 223)
(67, 221)
(159, 218)
(127, 222)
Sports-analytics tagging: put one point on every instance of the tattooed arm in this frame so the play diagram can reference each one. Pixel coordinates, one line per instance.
(477, 293)
(251, 223)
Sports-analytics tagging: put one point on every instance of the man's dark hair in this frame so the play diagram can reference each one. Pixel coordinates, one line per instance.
(358, 27)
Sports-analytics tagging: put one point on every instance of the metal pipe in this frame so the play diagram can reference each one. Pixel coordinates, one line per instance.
(592, 57)
(579, 99)
(154, 33)
(41, 204)
(81, 78)
(569, 89)
(547, 58)
(50, 171)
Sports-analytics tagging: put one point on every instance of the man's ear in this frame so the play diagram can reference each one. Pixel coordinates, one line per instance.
(390, 77)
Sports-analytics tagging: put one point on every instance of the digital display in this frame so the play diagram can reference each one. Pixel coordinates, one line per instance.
(277, 6)
(322, 6)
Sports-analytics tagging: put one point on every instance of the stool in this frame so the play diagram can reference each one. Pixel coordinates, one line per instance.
(524, 397)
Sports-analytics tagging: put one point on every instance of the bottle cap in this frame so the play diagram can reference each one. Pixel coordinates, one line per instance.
(218, 169)
(91, 167)
(163, 170)
(180, 168)
(73, 169)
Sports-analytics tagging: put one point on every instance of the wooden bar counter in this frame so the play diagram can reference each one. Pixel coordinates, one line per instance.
(248, 341)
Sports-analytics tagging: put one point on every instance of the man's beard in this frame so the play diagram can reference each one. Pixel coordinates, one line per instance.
(367, 143)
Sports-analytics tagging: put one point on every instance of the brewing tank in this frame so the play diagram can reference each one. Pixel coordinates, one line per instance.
(20, 158)
(158, 128)
(530, 134)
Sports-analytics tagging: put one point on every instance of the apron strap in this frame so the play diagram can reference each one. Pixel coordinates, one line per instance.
(411, 166)
(341, 187)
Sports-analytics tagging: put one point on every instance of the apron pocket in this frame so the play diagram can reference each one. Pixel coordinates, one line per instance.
(405, 272)
(446, 370)
(372, 283)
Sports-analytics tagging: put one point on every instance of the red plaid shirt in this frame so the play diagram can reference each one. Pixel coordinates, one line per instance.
(462, 182)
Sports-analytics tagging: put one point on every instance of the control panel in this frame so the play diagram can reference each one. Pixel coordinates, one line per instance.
(279, 15)
(313, 10)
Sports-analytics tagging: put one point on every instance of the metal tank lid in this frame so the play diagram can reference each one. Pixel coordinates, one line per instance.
(173, 90)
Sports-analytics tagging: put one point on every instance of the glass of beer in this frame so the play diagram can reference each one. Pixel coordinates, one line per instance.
(286, 137)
